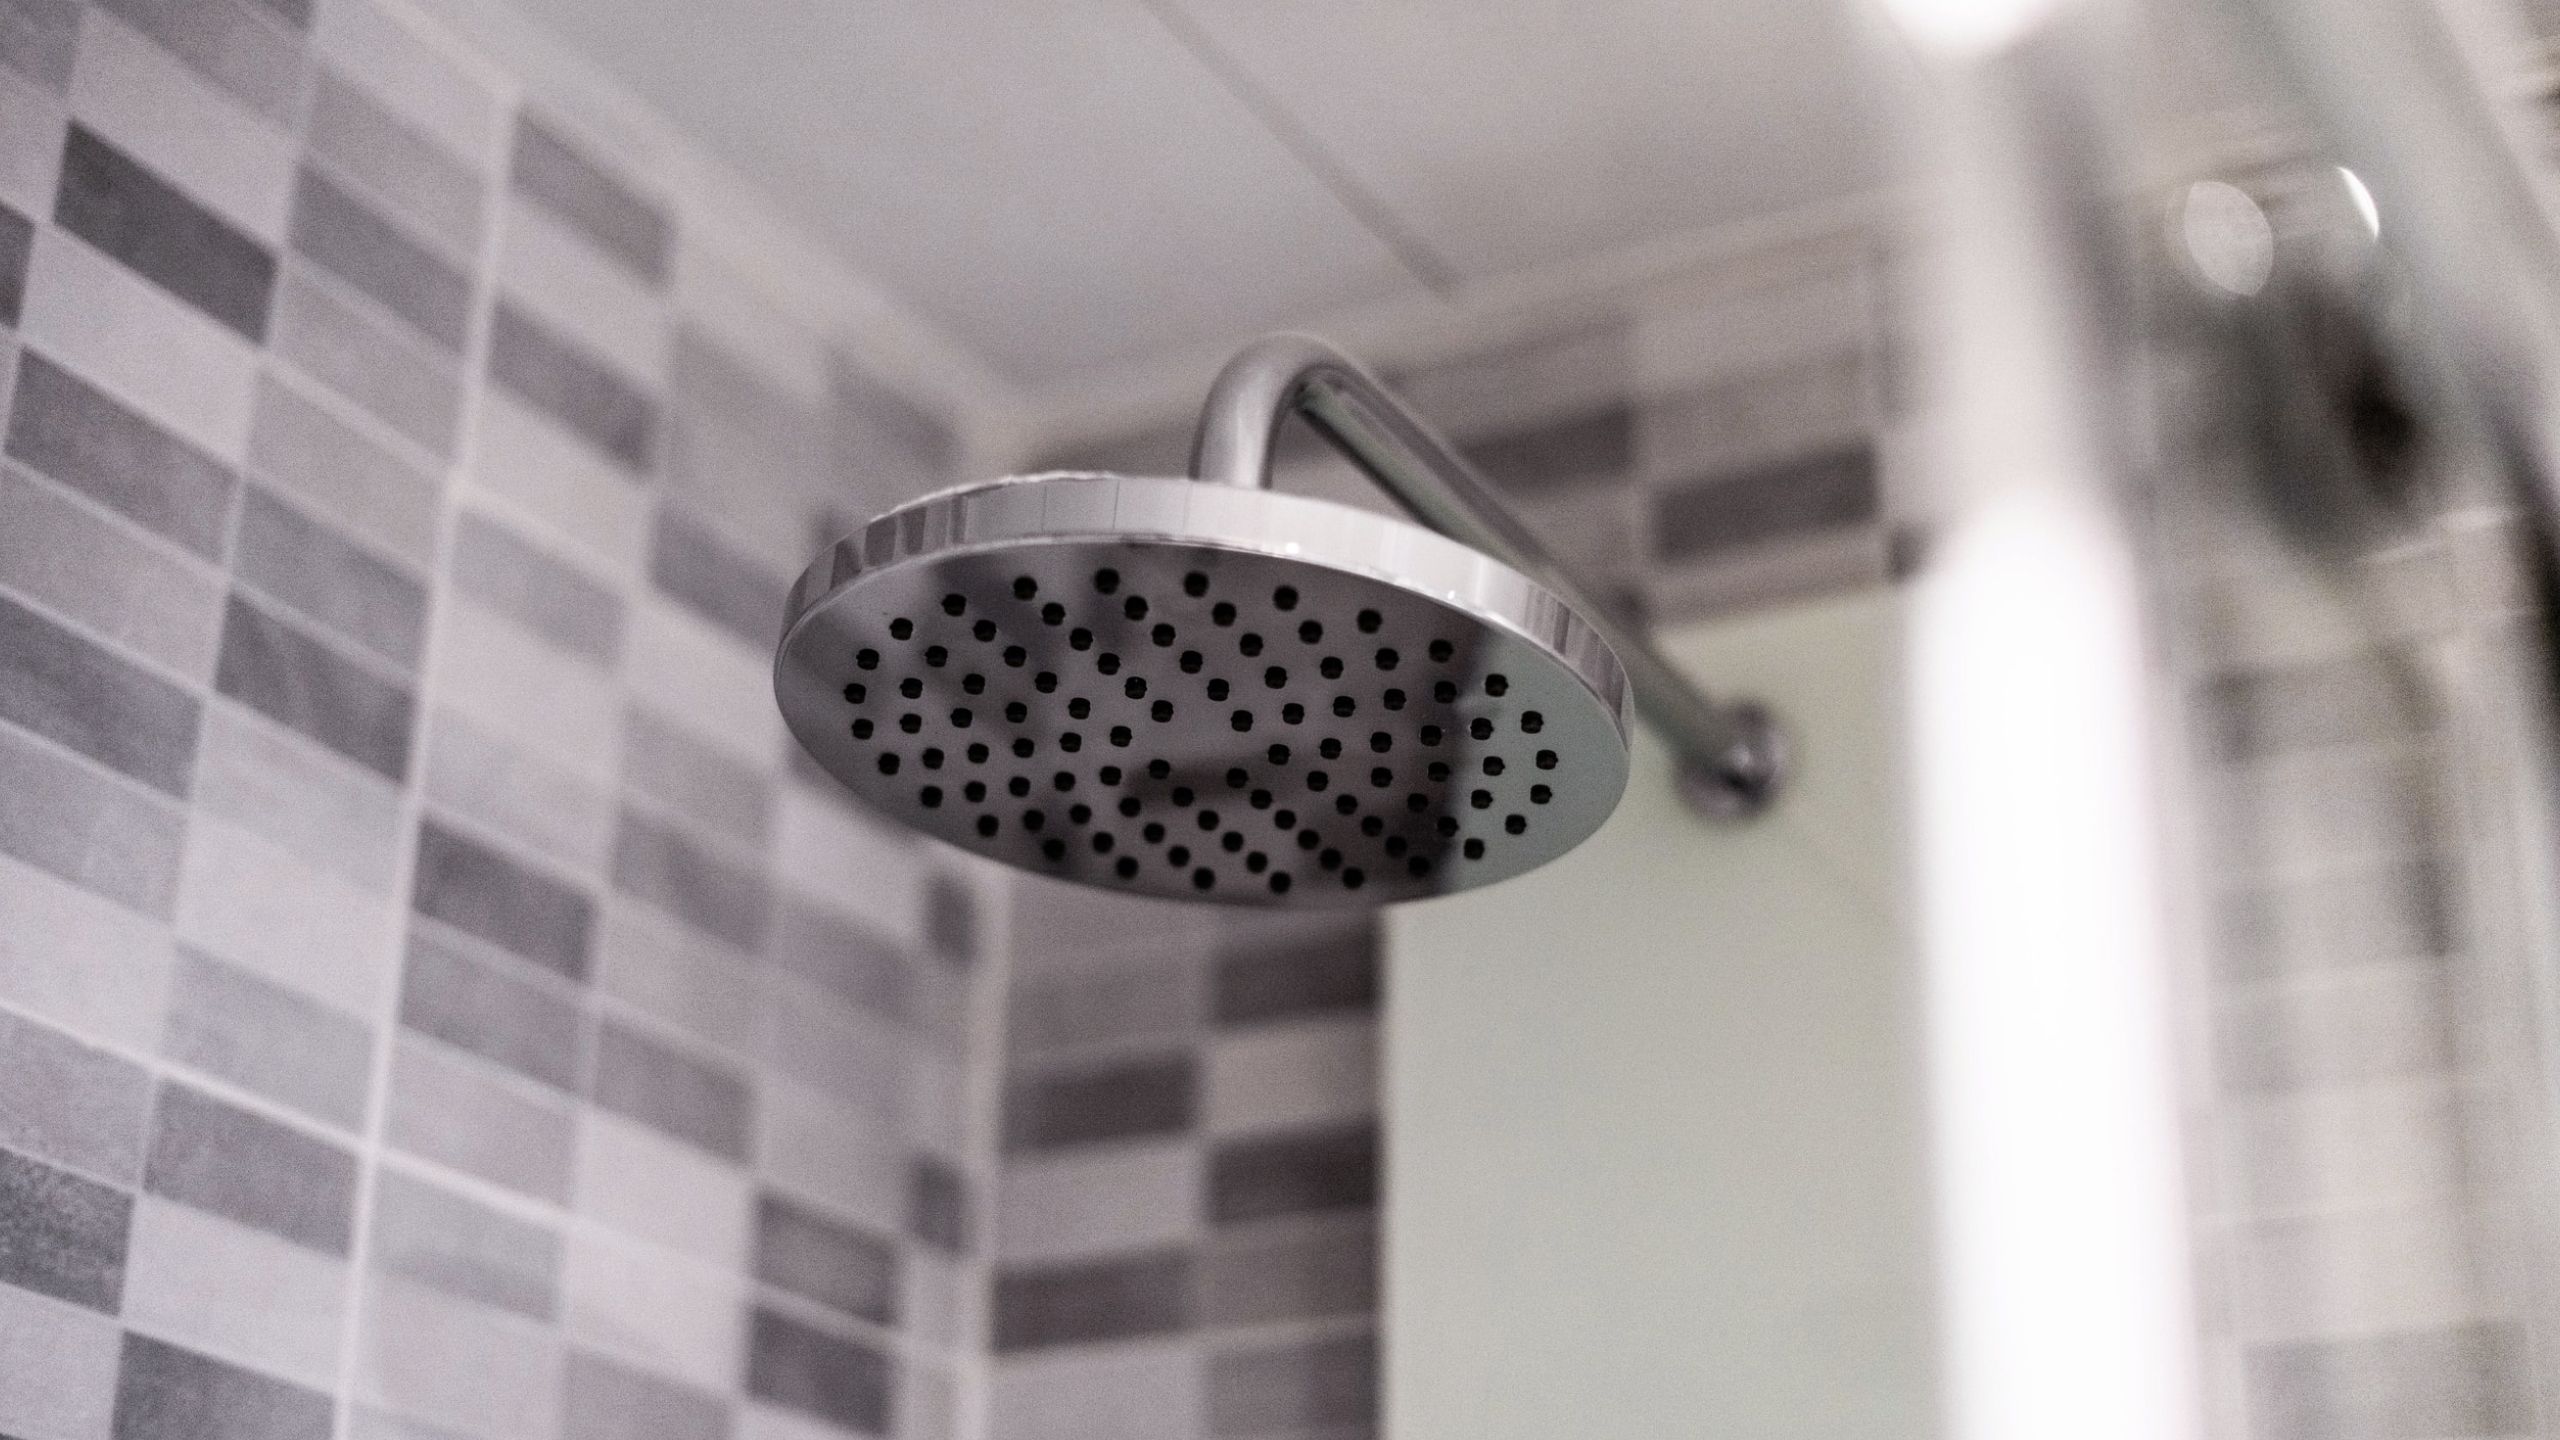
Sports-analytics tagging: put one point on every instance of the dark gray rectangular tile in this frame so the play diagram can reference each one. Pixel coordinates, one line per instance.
(662, 1087)
(245, 1167)
(1289, 1389)
(343, 235)
(799, 1368)
(412, 176)
(1812, 494)
(548, 596)
(950, 919)
(2459, 1380)
(938, 1204)
(711, 578)
(820, 945)
(67, 1103)
(576, 389)
(477, 1003)
(2361, 697)
(38, 38)
(372, 360)
(1265, 1273)
(268, 1040)
(296, 13)
(603, 1400)
(64, 427)
(1116, 1299)
(165, 1393)
(282, 672)
(695, 779)
(17, 241)
(619, 220)
(237, 44)
(1588, 449)
(329, 580)
(1284, 971)
(1122, 1101)
(329, 469)
(62, 1235)
(464, 1248)
(810, 1255)
(652, 861)
(79, 694)
(116, 203)
(67, 819)
(100, 573)
(482, 893)
(1329, 1169)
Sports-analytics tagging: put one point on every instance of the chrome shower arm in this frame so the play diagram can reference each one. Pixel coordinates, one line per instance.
(1732, 759)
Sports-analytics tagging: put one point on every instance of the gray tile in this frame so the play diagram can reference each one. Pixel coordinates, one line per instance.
(66, 1103)
(606, 1400)
(712, 578)
(464, 1248)
(2343, 700)
(57, 1368)
(277, 669)
(1297, 968)
(296, 13)
(458, 1111)
(2394, 910)
(799, 1368)
(1117, 1299)
(1287, 1389)
(332, 471)
(620, 221)
(118, 204)
(654, 862)
(478, 1002)
(38, 38)
(17, 240)
(62, 1235)
(698, 781)
(269, 1040)
(233, 43)
(480, 892)
(889, 447)
(938, 1204)
(548, 596)
(529, 799)
(308, 567)
(66, 428)
(1720, 514)
(247, 1168)
(1268, 1273)
(373, 361)
(79, 694)
(407, 173)
(1122, 1101)
(837, 952)
(65, 818)
(579, 391)
(200, 1281)
(333, 815)
(165, 1393)
(343, 235)
(78, 563)
(824, 1260)
(1329, 1169)
(668, 1090)
(950, 919)
(2474, 1379)
(1586, 450)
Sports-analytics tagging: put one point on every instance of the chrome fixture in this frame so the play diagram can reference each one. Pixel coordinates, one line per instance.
(1204, 688)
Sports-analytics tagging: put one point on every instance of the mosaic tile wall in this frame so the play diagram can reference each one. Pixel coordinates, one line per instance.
(432, 1001)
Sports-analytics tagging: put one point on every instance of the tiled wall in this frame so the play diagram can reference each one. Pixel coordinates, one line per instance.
(433, 1003)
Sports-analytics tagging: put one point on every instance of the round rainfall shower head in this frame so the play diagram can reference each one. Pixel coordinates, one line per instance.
(1175, 688)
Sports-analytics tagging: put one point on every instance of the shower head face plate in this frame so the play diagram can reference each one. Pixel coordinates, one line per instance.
(1171, 688)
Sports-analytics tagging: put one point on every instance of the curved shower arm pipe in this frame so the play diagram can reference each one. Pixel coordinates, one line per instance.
(1731, 758)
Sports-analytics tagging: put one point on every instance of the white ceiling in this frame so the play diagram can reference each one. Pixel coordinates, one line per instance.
(1075, 188)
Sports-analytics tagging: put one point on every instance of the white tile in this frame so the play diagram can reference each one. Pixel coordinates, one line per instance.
(80, 961)
(823, 848)
(31, 125)
(333, 814)
(57, 1368)
(2358, 1146)
(141, 344)
(706, 680)
(419, 77)
(767, 1422)
(252, 902)
(850, 1157)
(1099, 1200)
(2371, 1270)
(467, 1368)
(1150, 1393)
(657, 1311)
(1278, 1077)
(811, 1036)
(749, 322)
(645, 1184)
(940, 1102)
(560, 486)
(461, 1111)
(149, 103)
(240, 1294)
(674, 973)
(596, 303)
(517, 688)
(943, 1299)
(1107, 1001)
(563, 816)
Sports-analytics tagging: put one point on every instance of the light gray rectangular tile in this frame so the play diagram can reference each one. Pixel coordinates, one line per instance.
(2471, 1379)
(1104, 1393)
(1293, 1388)
(609, 211)
(330, 469)
(238, 46)
(463, 1112)
(32, 121)
(399, 165)
(330, 812)
(394, 376)
(475, 775)
(245, 1167)
(269, 1040)
(580, 392)
(464, 1248)
(79, 960)
(460, 1366)
(281, 670)
(143, 345)
(69, 558)
(402, 64)
(844, 1153)
(69, 1104)
(743, 447)
(642, 1182)
(74, 692)
(583, 502)
(38, 39)
(607, 1400)
(68, 429)
(809, 1035)
(343, 235)
(799, 1367)
(2371, 1022)
(697, 781)
(679, 977)
(823, 1259)
(653, 861)
(1286, 1077)
(484, 893)
(342, 587)
(63, 817)
(652, 1082)
(1107, 1001)
(235, 1293)
(552, 275)
(135, 93)
(548, 596)
(1117, 1199)
(57, 1368)
(711, 577)
(490, 1005)
(62, 1234)
(687, 1321)
(837, 951)
(255, 903)
(1296, 968)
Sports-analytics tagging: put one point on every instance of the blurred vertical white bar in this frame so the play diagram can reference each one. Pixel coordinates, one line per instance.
(2066, 1287)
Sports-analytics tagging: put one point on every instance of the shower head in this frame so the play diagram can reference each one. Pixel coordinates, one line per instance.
(1173, 688)
(1203, 688)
